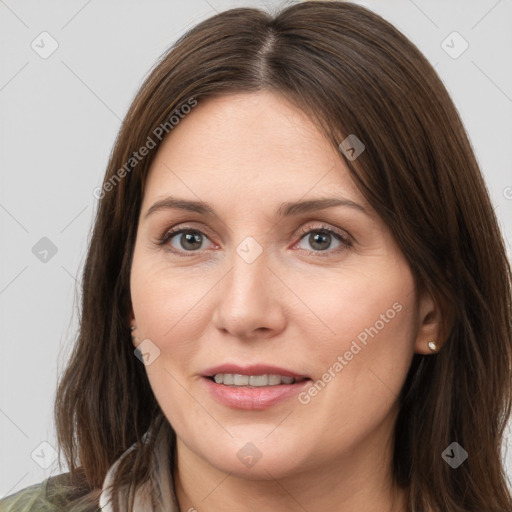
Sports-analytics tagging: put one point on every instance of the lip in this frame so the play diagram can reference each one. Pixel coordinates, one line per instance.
(256, 398)
(252, 398)
(253, 369)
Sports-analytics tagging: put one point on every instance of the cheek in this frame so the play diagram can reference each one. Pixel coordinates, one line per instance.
(168, 303)
(363, 360)
(373, 305)
(168, 307)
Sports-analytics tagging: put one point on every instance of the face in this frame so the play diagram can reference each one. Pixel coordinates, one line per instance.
(319, 300)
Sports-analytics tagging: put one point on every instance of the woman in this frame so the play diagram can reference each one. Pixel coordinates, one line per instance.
(294, 236)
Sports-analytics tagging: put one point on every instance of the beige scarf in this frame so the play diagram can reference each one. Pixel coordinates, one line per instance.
(160, 475)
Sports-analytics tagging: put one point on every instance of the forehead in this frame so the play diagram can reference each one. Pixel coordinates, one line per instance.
(248, 147)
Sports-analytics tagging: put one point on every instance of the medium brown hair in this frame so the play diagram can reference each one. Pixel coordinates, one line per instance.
(353, 73)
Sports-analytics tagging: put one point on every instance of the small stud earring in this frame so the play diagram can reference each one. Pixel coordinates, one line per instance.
(432, 346)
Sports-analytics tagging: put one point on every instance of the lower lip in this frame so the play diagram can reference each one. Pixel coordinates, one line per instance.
(253, 397)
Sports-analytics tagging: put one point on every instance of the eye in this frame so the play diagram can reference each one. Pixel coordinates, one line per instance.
(184, 240)
(320, 239)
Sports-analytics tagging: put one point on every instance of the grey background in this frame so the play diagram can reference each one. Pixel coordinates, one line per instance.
(60, 116)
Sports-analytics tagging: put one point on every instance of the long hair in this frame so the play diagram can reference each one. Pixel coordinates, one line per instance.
(353, 73)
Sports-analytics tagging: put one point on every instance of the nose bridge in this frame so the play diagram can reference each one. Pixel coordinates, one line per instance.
(248, 283)
(247, 299)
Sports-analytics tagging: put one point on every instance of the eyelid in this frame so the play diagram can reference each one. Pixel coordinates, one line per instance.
(307, 228)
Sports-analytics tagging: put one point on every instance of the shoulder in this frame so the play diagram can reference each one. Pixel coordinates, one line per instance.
(50, 495)
(31, 498)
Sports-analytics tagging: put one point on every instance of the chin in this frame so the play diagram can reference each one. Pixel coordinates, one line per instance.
(256, 459)
(268, 467)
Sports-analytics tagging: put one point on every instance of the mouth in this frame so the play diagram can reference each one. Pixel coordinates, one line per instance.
(252, 387)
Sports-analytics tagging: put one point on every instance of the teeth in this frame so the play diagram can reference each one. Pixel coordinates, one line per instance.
(258, 380)
(241, 380)
(233, 379)
(274, 380)
(229, 379)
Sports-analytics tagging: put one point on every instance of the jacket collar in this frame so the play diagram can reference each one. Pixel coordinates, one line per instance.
(160, 475)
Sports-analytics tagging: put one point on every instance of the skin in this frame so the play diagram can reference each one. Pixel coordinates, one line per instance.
(296, 306)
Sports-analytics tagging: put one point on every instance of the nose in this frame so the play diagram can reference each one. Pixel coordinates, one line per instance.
(249, 300)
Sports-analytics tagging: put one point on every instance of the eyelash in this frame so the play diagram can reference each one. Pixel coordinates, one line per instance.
(323, 229)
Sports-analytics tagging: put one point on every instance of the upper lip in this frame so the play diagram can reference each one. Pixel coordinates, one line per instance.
(253, 369)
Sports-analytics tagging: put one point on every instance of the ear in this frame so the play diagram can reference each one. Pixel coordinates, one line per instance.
(429, 325)
(129, 315)
(131, 318)
(132, 325)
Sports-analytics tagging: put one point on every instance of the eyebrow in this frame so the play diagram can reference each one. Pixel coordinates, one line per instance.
(285, 210)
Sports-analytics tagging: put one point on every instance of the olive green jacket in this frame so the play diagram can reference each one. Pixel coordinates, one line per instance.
(51, 495)
(59, 493)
